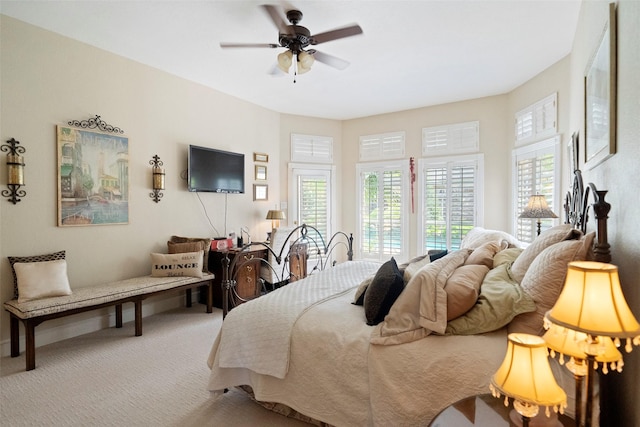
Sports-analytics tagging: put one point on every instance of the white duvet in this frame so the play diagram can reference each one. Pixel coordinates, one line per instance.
(333, 373)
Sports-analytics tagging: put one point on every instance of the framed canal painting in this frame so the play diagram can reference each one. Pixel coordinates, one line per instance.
(93, 177)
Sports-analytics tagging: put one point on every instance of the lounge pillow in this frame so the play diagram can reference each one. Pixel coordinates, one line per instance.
(412, 266)
(42, 279)
(206, 242)
(483, 254)
(183, 264)
(195, 246)
(462, 289)
(359, 297)
(382, 292)
(478, 236)
(544, 240)
(508, 255)
(35, 258)
(544, 281)
(500, 300)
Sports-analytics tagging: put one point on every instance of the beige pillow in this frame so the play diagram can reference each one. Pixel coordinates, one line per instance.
(32, 258)
(508, 255)
(462, 289)
(478, 236)
(183, 264)
(483, 255)
(411, 267)
(358, 299)
(544, 281)
(42, 279)
(544, 240)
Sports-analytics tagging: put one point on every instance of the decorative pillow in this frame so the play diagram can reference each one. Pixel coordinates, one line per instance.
(359, 297)
(478, 236)
(206, 247)
(508, 255)
(35, 258)
(483, 254)
(462, 289)
(544, 240)
(42, 279)
(544, 281)
(199, 245)
(183, 264)
(409, 268)
(436, 254)
(382, 292)
(500, 300)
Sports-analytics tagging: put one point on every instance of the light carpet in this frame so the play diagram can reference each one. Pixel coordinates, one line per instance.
(112, 378)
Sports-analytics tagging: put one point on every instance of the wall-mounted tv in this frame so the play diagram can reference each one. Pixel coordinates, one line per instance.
(215, 171)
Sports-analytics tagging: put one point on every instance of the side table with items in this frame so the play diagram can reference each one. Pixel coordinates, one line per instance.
(488, 411)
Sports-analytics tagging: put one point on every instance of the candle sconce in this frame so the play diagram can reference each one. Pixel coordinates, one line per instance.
(158, 178)
(15, 170)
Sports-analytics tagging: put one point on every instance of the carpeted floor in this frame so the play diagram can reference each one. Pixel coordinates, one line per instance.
(112, 378)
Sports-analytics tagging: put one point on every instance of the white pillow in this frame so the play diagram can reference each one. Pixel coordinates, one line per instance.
(42, 279)
(182, 264)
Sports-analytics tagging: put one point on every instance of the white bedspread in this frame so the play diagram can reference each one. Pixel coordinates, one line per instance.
(257, 335)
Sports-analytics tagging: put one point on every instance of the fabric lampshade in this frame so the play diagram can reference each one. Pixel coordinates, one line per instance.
(592, 302)
(537, 207)
(526, 376)
(275, 216)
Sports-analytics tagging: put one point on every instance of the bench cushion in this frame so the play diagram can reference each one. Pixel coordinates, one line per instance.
(97, 295)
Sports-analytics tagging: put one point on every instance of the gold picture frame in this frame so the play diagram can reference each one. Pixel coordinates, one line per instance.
(261, 172)
(260, 192)
(93, 177)
(260, 157)
(600, 97)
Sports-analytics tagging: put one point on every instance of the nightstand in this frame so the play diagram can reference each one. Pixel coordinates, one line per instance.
(488, 411)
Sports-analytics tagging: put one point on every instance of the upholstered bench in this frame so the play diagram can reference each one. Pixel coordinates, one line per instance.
(34, 312)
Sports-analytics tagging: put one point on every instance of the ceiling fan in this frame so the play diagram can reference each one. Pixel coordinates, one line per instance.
(296, 39)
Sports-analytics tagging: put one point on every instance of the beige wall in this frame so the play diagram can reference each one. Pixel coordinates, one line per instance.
(48, 80)
(617, 174)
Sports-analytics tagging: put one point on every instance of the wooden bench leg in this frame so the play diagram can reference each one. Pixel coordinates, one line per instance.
(118, 315)
(138, 315)
(15, 336)
(188, 291)
(210, 297)
(30, 342)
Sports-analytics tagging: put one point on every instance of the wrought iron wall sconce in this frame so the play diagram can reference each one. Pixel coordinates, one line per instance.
(158, 178)
(15, 170)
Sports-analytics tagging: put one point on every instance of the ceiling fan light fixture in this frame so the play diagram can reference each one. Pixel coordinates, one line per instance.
(305, 60)
(285, 60)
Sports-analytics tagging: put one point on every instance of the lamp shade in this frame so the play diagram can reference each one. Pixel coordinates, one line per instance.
(276, 214)
(526, 376)
(285, 59)
(537, 207)
(592, 302)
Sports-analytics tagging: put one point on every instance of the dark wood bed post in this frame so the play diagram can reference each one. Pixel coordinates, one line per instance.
(602, 249)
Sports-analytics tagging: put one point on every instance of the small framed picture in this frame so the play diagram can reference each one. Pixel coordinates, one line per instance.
(260, 192)
(261, 172)
(260, 157)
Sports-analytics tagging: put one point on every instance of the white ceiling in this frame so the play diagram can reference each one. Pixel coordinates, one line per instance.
(411, 53)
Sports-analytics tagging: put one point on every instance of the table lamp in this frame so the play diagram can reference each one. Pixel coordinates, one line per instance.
(275, 216)
(592, 302)
(537, 208)
(525, 376)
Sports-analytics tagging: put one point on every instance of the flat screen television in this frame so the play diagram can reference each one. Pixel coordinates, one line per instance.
(216, 171)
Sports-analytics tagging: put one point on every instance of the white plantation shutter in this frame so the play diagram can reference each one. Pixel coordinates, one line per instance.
(536, 172)
(311, 149)
(383, 209)
(451, 195)
(382, 146)
(451, 139)
(537, 121)
(313, 199)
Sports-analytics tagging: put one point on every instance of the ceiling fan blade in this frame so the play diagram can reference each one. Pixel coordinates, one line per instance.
(329, 60)
(244, 45)
(351, 30)
(277, 18)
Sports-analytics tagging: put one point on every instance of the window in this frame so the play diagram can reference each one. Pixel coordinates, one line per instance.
(451, 139)
(384, 146)
(311, 148)
(537, 121)
(536, 171)
(383, 200)
(311, 196)
(451, 194)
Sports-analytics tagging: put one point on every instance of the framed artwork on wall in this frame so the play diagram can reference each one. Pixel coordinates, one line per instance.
(600, 97)
(260, 192)
(261, 172)
(93, 177)
(260, 157)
